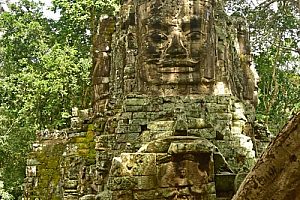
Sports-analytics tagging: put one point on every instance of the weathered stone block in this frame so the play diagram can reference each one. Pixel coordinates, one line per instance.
(136, 164)
(139, 121)
(122, 183)
(139, 164)
(139, 115)
(32, 162)
(238, 123)
(135, 108)
(71, 197)
(207, 133)
(224, 116)
(236, 130)
(126, 115)
(161, 125)
(88, 197)
(196, 123)
(152, 116)
(157, 146)
(146, 182)
(203, 146)
(77, 134)
(227, 134)
(161, 134)
(217, 108)
(167, 106)
(136, 102)
(211, 99)
(31, 171)
(122, 129)
(238, 114)
(128, 137)
(75, 122)
(134, 128)
(222, 124)
(122, 195)
(70, 184)
(224, 148)
(105, 195)
(225, 99)
(146, 136)
(123, 122)
(146, 195)
(85, 114)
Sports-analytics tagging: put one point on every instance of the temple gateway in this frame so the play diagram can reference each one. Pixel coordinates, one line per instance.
(174, 97)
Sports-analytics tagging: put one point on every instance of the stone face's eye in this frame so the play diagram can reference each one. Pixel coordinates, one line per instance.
(194, 35)
(158, 37)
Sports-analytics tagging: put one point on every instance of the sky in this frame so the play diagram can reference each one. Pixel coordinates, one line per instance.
(47, 12)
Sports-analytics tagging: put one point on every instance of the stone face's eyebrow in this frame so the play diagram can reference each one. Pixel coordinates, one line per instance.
(156, 23)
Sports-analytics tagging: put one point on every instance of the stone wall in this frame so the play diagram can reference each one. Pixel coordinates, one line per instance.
(150, 128)
(124, 155)
(173, 110)
(62, 164)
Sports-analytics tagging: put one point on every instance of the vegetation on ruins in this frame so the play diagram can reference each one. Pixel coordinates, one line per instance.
(44, 72)
(45, 65)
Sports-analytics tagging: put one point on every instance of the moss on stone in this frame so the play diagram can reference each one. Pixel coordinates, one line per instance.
(49, 177)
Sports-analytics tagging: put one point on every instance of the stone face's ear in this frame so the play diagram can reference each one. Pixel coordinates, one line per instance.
(101, 50)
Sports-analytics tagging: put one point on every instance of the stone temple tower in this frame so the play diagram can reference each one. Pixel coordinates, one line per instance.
(173, 107)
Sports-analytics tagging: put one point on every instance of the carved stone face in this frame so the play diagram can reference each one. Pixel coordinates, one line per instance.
(175, 40)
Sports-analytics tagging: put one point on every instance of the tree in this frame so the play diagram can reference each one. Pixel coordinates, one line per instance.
(276, 42)
(41, 79)
(274, 29)
(276, 175)
(79, 19)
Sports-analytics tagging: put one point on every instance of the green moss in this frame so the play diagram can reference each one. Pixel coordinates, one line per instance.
(83, 146)
(92, 154)
(83, 152)
(48, 172)
(90, 136)
(91, 127)
(79, 140)
(51, 156)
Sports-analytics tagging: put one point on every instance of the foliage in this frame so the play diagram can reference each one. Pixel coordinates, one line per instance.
(274, 27)
(276, 42)
(41, 79)
(44, 72)
(79, 19)
(3, 194)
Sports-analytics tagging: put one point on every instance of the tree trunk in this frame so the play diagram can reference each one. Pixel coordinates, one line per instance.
(276, 175)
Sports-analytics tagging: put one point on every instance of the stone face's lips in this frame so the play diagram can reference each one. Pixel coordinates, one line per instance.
(174, 66)
(176, 69)
(180, 63)
(177, 66)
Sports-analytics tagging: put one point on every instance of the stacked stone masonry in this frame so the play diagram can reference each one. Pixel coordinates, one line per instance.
(173, 110)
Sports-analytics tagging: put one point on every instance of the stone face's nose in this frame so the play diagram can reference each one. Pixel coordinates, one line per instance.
(176, 48)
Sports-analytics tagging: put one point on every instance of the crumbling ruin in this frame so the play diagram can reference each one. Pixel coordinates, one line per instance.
(173, 110)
